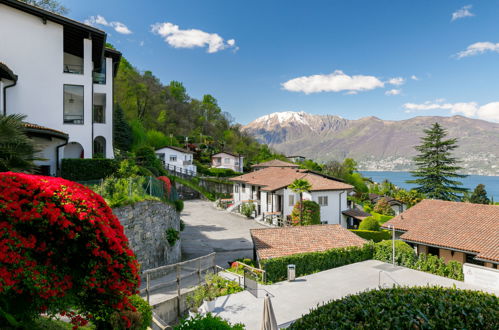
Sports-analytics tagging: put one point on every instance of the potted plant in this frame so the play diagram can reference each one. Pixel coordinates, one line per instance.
(210, 294)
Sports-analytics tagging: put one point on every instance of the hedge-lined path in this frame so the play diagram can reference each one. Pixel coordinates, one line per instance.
(210, 230)
(293, 299)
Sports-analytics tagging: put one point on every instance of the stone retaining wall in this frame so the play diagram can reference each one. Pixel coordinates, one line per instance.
(145, 224)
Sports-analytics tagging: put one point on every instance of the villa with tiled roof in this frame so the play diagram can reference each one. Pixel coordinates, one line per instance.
(464, 232)
(273, 163)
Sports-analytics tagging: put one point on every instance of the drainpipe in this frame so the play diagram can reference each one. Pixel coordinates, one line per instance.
(339, 211)
(57, 166)
(5, 96)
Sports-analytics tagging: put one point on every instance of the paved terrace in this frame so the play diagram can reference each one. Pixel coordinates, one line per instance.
(294, 299)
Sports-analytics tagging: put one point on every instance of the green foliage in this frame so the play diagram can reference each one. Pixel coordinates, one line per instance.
(479, 195)
(346, 171)
(182, 225)
(144, 309)
(172, 235)
(313, 262)
(214, 286)
(406, 308)
(195, 186)
(404, 254)
(122, 132)
(247, 209)
(311, 165)
(207, 322)
(79, 169)
(17, 150)
(435, 265)
(369, 223)
(50, 5)
(436, 171)
(376, 236)
(179, 205)
(306, 213)
(45, 323)
(383, 207)
(221, 172)
(146, 157)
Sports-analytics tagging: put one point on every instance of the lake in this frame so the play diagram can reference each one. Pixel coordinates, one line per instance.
(471, 181)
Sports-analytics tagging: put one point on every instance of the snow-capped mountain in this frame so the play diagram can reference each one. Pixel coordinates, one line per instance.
(377, 144)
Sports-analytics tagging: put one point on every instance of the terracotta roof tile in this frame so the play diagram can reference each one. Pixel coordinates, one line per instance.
(275, 178)
(275, 163)
(279, 242)
(30, 126)
(357, 214)
(455, 225)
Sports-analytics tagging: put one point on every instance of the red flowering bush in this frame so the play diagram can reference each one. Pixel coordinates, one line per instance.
(61, 251)
(167, 184)
(311, 214)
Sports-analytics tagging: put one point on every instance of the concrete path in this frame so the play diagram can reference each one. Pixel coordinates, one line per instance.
(291, 300)
(210, 230)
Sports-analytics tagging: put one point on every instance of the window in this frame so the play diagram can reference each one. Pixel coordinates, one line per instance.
(99, 114)
(291, 200)
(173, 158)
(73, 104)
(99, 109)
(433, 250)
(161, 156)
(323, 200)
(226, 160)
(236, 188)
(99, 147)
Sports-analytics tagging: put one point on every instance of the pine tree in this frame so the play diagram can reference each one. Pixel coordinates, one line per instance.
(479, 195)
(122, 132)
(436, 168)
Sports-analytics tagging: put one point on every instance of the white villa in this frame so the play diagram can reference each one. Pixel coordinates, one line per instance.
(177, 159)
(268, 189)
(59, 73)
(228, 160)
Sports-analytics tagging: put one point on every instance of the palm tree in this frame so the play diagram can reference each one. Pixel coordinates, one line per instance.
(300, 186)
(17, 150)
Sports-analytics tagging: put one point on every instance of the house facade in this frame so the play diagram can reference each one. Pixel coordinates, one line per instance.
(228, 160)
(177, 159)
(269, 190)
(64, 81)
(464, 232)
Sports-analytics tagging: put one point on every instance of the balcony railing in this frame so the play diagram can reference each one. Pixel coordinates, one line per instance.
(187, 162)
(73, 68)
(99, 78)
(73, 119)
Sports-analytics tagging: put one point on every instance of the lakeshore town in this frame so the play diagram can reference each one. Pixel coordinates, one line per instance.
(125, 203)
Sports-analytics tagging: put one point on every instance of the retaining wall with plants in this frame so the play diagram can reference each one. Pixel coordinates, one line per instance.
(149, 226)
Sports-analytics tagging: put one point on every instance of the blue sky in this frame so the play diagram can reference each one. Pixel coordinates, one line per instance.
(322, 57)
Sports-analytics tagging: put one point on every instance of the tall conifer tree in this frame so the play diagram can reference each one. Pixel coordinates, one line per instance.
(436, 171)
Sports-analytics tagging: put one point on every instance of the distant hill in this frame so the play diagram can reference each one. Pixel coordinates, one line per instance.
(376, 144)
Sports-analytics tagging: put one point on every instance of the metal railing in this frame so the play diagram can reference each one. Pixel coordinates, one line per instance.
(177, 170)
(73, 119)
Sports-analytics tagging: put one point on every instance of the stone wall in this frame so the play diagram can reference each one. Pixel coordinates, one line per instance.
(145, 224)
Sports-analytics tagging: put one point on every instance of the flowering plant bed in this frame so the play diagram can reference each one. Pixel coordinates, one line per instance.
(61, 251)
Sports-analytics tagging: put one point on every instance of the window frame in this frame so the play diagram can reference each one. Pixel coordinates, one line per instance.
(291, 200)
(323, 200)
(64, 105)
(173, 158)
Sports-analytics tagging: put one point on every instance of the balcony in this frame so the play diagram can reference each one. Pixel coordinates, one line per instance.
(99, 78)
(187, 162)
(73, 68)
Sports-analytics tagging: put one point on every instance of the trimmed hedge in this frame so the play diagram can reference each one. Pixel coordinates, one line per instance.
(370, 235)
(404, 254)
(79, 169)
(313, 262)
(369, 223)
(407, 308)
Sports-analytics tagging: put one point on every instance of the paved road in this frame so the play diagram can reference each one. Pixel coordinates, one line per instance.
(293, 299)
(210, 230)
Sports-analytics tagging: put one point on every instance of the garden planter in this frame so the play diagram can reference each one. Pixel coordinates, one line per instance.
(209, 306)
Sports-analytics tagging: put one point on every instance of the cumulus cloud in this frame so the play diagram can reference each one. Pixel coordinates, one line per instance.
(333, 82)
(479, 48)
(100, 20)
(414, 77)
(396, 81)
(178, 38)
(462, 13)
(393, 92)
(489, 111)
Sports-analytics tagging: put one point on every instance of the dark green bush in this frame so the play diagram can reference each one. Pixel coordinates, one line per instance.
(172, 236)
(179, 205)
(404, 254)
(222, 172)
(435, 265)
(182, 225)
(207, 322)
(144, 309)
(313, 262)
(311, 214)
(407, 308)
(79, 169)
(376, 236)
(369, 223)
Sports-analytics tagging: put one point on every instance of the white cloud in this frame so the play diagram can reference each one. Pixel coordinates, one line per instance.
(489, 111)
(333, 82)
(396, 81)
(462, 13)
(393, 92)
(479, 48)
(192, 38)
(413, 77)
(100, 20)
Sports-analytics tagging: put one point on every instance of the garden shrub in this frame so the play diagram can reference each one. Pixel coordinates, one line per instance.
(369, 223)
(207, 322)
(62, 251)
(376, 236)
(404, 254)
(144, 309)
(146, 157)
(215, 286)
(383, 207)
(167, 185)
(79, 169)
(222, 172)
(172, 236)
(406, 308)
(247, 209)
(179, 205)
(435, 265)
(311, 214)
(313, 262)
(182, 225)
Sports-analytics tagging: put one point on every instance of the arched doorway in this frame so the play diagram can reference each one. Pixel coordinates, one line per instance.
(99, 147)
(73, 150)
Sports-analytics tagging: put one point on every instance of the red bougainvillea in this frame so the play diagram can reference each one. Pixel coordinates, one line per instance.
(167, 184)
(61, 250)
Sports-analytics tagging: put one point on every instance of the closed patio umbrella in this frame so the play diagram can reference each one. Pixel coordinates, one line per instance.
(269, 322)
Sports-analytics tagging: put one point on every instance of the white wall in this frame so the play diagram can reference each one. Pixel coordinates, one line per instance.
(231, 164)
(106, 130)
(331, 213)
(481, 276)
(47, 147)
(181, 157)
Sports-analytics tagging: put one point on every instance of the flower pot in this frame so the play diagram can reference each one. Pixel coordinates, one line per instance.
(209, 306)
(192, 314)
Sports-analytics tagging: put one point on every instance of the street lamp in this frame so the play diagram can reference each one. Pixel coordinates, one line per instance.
(393, 243)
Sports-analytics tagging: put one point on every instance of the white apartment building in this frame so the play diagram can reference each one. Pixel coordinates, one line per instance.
(63, 82)
(228, 160)
(177, 159)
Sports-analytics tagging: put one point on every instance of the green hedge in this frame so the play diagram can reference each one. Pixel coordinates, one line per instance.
(407, 308)
(313, 262)
(78, 169)
(369, 223)
(376, 236)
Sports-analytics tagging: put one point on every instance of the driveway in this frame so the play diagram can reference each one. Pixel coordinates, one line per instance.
(210, 230)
